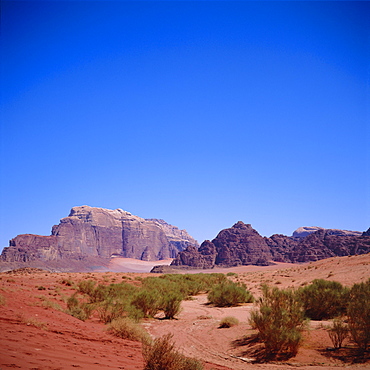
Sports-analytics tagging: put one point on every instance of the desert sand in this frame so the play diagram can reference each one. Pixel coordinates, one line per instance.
(36, 333)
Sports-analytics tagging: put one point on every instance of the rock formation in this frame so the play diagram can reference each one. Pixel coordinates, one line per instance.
(366, 233)
(239, 245)
(326, 243)
(99, 232)
(242, 245)
(303, 231)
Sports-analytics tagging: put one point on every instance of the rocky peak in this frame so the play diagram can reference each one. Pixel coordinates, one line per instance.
(366, 233)
(238, 245)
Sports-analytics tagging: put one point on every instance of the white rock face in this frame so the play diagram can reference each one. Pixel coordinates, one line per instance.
(101, 216)
(303, 231)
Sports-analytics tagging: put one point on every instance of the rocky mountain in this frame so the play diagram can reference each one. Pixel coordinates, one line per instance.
(242, 245)
(303, 231)
(104, 233)
(366, 233)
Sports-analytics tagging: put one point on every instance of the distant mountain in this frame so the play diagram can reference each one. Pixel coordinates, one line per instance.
(303, 231)
(90, 232)
(242, 245)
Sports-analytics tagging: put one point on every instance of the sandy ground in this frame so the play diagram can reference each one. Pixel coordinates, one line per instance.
(37, 334)
(132, 265)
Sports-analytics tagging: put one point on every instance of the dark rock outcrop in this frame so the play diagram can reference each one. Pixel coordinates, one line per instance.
(202, 258)
(239, 245)
(242, 245)
(280, 246)
(366, 233)
(326, 243)
(98, 232)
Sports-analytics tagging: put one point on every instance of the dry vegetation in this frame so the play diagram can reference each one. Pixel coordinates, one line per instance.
(126, 320)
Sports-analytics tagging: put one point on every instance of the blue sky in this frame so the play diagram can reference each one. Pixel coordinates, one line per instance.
(201, 113)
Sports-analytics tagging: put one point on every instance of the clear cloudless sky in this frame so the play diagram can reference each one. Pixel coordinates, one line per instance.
(202, 113)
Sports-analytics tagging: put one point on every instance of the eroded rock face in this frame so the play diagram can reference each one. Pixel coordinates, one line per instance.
(242, 245)
(238, 245)
(179, 239)
(202, 258)
(28, 247)
(326, 243)
(281, 246)
(99, 232)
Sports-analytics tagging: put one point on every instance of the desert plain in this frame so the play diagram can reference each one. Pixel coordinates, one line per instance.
(37, 333)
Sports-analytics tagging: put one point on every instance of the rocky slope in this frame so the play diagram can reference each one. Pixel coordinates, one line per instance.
(242, 245)
(90, 232)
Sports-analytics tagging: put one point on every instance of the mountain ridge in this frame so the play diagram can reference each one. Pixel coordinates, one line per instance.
(242, 245)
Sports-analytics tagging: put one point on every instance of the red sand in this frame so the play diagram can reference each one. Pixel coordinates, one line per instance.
(36, 335)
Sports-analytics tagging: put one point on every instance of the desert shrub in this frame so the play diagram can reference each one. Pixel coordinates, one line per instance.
(77, 309)
(134, 313)
(228, 322)
(148, 301)
(110, 301)
(31, 321)
(160, 294)
(229, 294)
(162, 355)
(41, 287)
(128, 329)
(358, 312)
(72, 302)
(2, 300)
(67, 282)
(338, 332)
(279, 321)
(324, 299)
(99, 294)
(110, 310)
(232, 274)
(170, 304)
(51, 304)
(193, 284)
(86, 286)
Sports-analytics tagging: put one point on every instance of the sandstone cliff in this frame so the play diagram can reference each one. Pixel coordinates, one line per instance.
(99, 232)
(242, 245)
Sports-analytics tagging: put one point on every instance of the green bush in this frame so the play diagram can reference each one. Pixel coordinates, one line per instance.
(99, 294)
(162, 355)
(358, 312)
(110, 310)
(338, 332)
(324, 299)
(148, 301)
(229, 294)
(86, 286)
(228, 322)
(279, 321)
(81, 311)
(192, 284)
(232, 274)
(171, 303)
(127, 329)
